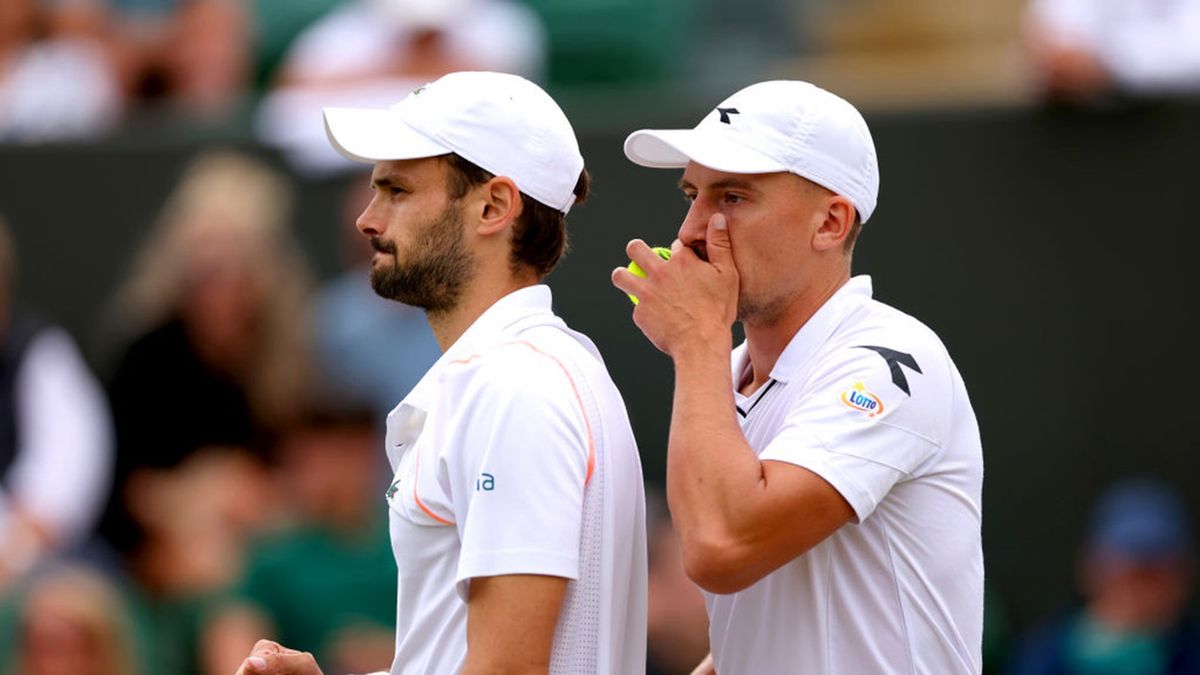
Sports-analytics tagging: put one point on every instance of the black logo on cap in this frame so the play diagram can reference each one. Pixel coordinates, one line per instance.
(726, 112)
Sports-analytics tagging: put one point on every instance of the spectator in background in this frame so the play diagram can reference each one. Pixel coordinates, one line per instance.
(328, 579)
(677, 623)
(72, 621)
(213, 311)
(194, 56)
(276, 25)
(55, 436)
(60, 70)
(1136, 578)
(1084, 50)
(368, 348)
(370, 53)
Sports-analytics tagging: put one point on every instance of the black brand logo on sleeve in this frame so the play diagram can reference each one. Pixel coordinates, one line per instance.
(894, 360)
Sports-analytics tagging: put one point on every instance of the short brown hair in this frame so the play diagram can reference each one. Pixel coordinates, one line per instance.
(539, 238)
(848, 245)
(855, 227)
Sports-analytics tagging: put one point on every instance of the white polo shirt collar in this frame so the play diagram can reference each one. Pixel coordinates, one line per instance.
(532, 303)
(814, 333)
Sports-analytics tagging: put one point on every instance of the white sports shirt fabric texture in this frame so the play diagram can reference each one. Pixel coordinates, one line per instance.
(514, 455)
(868, 398)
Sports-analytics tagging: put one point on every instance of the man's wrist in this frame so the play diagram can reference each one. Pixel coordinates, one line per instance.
(701, 351)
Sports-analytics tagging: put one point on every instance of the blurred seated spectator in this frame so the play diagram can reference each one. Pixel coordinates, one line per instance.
(677, 622)
(197, 518)
(328, 579)
(276, 24)
(193, 57)
(1084, 50)
(374, 52)
(1136, 577)
(72, 621)
(60, 70)
(368, 348)
(55, 436)
(213, 318)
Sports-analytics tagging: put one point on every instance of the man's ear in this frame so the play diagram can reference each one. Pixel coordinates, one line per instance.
(836, 226)
(501, 201)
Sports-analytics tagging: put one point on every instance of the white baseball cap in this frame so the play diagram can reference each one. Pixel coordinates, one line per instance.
(502, 123)
(782, 125)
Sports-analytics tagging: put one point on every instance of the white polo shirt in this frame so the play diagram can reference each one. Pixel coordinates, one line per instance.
(868, 398)
(514, 455)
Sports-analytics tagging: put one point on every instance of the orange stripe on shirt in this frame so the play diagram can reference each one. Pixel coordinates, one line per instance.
(417, 499)
(591, 461)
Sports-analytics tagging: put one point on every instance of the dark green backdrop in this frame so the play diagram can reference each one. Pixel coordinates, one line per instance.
(1053, 252)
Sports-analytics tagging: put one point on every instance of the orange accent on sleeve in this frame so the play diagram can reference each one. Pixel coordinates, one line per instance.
(591, 460)
(417, 499)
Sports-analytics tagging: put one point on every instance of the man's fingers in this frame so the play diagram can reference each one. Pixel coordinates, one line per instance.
(294, 663)
(253, 665)
(717, 243)
(282, 662)
(263, 647)
(640, 253)
(626, 281)
(271, 658)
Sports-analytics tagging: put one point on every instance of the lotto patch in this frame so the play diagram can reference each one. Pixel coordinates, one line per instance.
(862, 400)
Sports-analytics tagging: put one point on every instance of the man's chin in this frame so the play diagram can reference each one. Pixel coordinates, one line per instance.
(382, 259)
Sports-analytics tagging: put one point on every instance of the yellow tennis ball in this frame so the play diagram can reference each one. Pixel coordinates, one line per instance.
(664, 253)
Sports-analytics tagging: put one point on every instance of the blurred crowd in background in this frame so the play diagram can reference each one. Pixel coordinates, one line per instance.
(219, 479)
(74, 69)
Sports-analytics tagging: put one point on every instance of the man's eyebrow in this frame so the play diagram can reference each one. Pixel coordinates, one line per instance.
(737, 183)
(383, 181)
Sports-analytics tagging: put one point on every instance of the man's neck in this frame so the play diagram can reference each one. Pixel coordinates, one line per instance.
(450, 325)
(766, 340)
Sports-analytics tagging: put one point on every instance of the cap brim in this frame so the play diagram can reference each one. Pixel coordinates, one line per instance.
(372, 135)
(674, 148)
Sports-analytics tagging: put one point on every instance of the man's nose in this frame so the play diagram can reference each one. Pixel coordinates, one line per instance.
(695, 225)
(367, 222)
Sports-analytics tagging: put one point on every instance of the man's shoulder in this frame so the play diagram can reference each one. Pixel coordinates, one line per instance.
(533, 363)
(878, 330)
(881, 318)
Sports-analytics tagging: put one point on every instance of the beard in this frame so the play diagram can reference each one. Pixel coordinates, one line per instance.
(762, 309)
(437, 270)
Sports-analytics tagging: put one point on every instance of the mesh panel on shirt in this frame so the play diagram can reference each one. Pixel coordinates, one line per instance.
(577, 636)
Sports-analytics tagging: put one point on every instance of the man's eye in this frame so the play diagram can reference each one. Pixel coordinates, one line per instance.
(689, 197)
(732, 198)
(396, 190)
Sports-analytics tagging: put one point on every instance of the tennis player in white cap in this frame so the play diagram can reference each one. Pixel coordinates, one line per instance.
(825, 479)
(517, 510)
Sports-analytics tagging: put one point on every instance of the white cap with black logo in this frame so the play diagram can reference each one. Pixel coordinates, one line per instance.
(782, 125)
(502, 123)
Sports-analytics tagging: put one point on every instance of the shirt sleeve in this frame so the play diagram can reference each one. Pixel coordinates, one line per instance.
(519, 474)
(858, 429)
